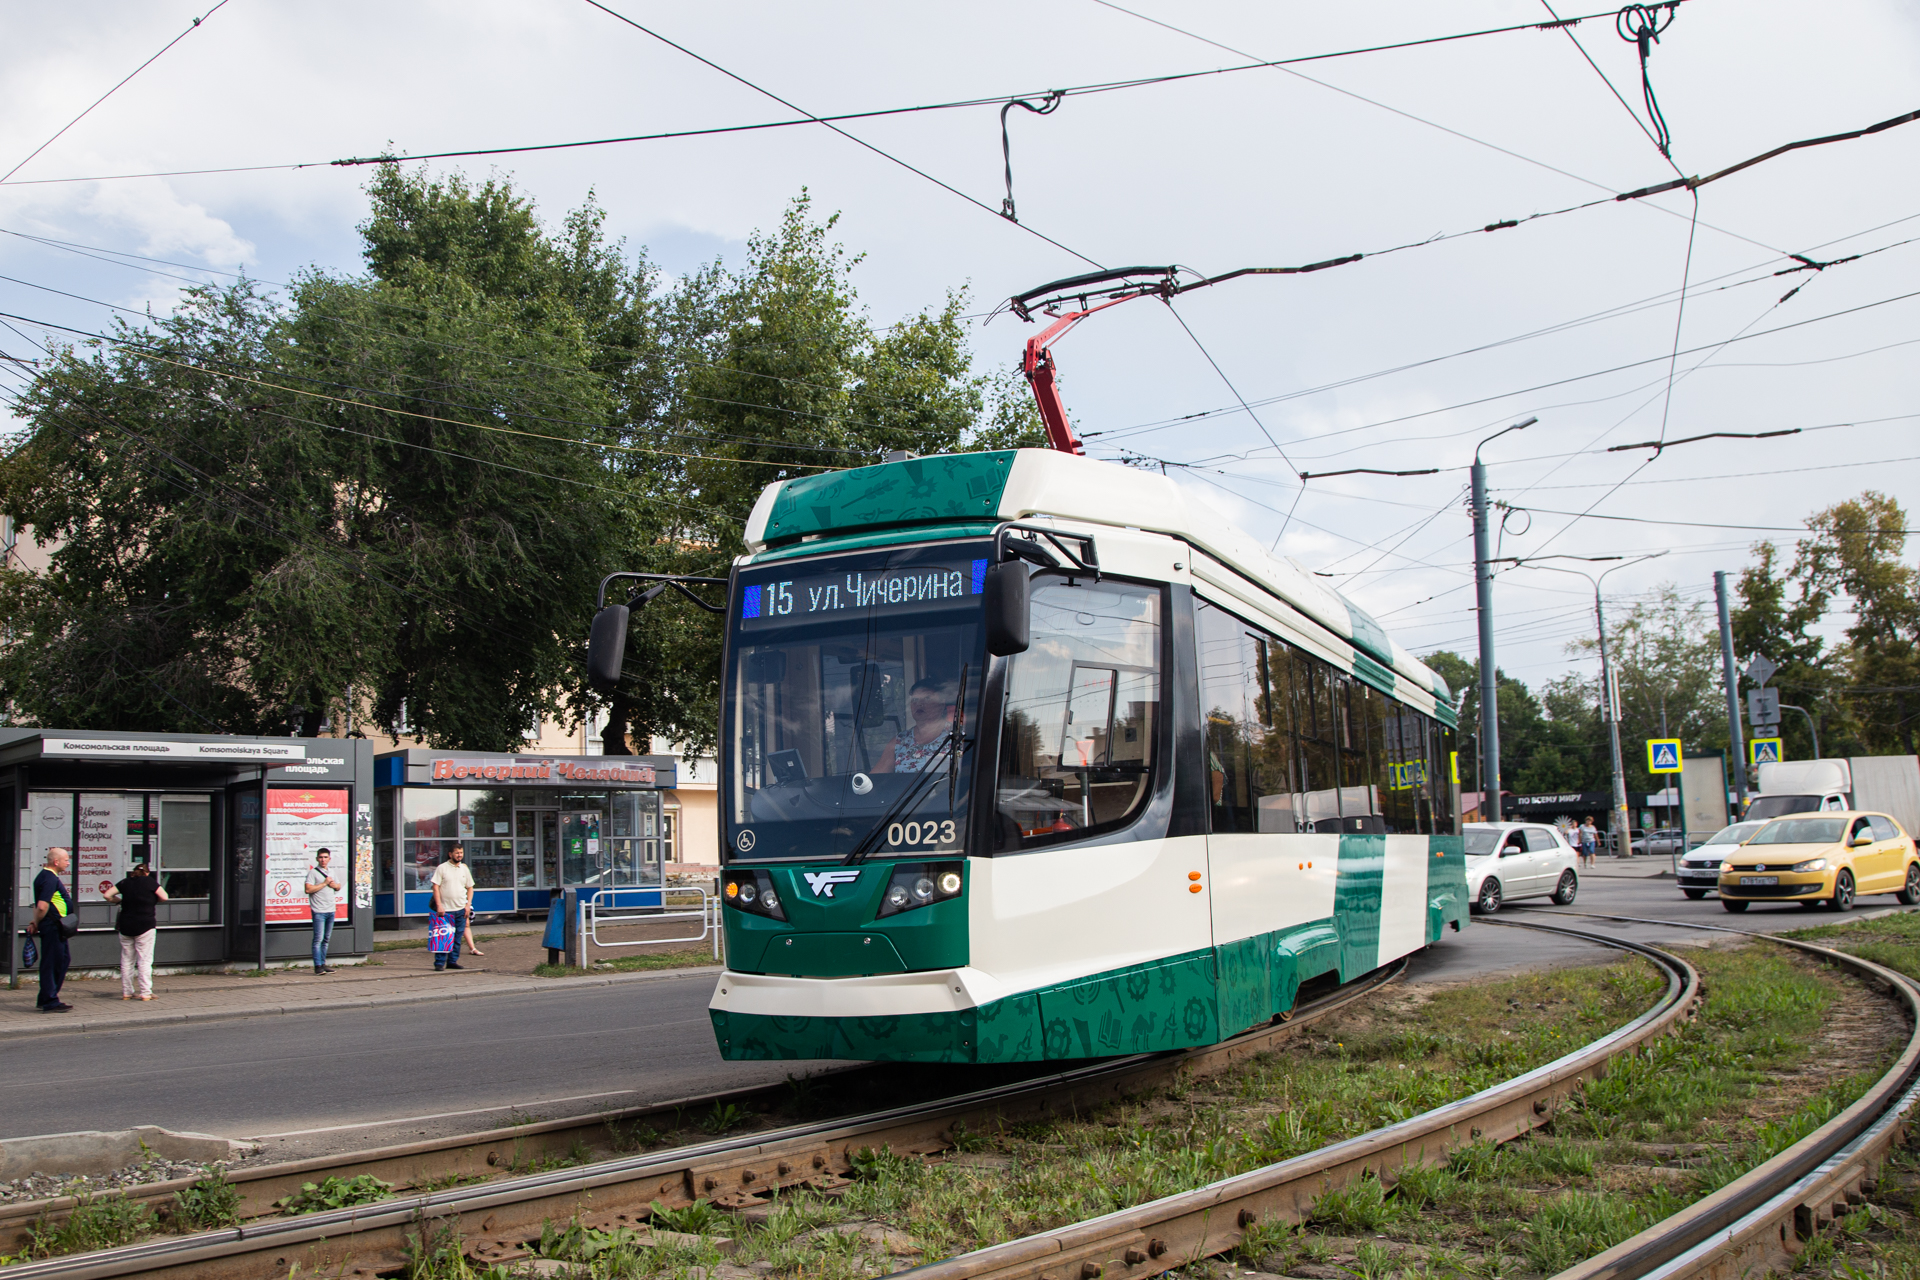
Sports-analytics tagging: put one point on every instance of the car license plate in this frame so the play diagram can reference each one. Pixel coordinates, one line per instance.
(1747, 880)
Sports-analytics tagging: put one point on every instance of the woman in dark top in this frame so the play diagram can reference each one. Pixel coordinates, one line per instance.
(138, 896)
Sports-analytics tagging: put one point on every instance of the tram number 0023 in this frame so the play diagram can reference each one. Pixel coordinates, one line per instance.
(929, 832)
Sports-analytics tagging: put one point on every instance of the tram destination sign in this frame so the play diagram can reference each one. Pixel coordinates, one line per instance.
(821, 595)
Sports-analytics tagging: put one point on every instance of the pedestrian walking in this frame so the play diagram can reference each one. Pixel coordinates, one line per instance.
(452, 896)
(52, 909)
(1589, 842)
(321, 886)
(471, 949)
(138, 895)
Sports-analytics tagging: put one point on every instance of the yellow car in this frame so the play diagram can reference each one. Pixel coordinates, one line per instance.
(1822, 857)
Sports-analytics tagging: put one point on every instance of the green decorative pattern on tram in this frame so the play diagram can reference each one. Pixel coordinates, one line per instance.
(1446, 885)
(1372, 672)
(948, 486)
(1356, 903)
(1195, 998)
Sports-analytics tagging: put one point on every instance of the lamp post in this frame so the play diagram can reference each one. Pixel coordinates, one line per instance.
(1609, 689)
(1483, 598)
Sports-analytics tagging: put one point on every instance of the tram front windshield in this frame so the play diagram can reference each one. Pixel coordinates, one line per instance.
(853, 689)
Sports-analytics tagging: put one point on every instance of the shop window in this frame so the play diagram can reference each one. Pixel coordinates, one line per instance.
(490, 861)
(422, 857)
(429, 814)
(486, 815)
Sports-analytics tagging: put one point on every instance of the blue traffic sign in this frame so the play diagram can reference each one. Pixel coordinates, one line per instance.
(1663, 755)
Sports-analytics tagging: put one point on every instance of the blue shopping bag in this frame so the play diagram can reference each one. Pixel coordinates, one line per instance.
(439, 934)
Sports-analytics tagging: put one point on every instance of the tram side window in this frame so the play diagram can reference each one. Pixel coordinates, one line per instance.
(1402, 772)
(1275, 760)
(1077, 749)
(1314, 725)
(1230, 697)
(1441, 785)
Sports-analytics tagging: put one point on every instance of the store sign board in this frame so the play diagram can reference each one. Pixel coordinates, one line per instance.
(133, 749)
(300, 821)
(447, 771)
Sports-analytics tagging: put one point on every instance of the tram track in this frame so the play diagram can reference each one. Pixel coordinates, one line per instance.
(501, 1213)
(1757, 1220)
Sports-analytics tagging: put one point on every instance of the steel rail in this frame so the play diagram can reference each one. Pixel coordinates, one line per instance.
(502, 1214)
(1765, 1217)
(1174, 1231)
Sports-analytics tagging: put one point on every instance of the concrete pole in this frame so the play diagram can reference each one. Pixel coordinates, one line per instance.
(1609, 696)
(1489, 690)
(1737, 747)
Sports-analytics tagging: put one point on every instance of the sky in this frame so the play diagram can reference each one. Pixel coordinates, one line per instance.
(1624, 322)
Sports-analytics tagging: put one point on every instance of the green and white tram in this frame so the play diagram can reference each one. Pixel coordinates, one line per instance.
(1025, 756)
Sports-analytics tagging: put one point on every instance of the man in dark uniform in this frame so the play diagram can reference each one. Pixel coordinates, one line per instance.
(51, 904)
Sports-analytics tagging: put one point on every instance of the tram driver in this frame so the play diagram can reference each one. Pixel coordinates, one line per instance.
(930, 704)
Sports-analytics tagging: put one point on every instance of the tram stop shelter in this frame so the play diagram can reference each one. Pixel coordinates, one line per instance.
(229, 825)
(531, 825)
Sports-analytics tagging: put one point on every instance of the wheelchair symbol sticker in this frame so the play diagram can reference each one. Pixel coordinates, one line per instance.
(744, 841)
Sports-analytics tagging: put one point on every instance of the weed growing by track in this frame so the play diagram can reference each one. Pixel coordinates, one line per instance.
(695, 958)
(1893, 941)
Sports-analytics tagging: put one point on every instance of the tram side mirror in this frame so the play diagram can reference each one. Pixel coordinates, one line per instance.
(607, 647)
(1007, 612)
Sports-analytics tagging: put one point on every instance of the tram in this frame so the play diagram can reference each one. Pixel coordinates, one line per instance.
(1023, 756)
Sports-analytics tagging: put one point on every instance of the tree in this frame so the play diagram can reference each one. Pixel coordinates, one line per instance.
(1543, 747)
(1865, 692)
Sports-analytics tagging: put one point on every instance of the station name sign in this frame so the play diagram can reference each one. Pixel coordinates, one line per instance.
(131, 749)
(451, 769)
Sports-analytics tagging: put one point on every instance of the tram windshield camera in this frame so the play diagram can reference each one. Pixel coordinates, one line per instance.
(1006, 608)
(607, 647)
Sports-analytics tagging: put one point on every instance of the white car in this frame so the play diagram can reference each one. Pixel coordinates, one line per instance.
(1509, 860)
(1700, 869)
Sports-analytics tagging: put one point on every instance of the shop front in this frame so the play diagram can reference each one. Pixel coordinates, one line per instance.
(529, 825)
(228, 825)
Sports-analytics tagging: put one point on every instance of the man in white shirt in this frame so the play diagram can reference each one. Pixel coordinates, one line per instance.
(321, 887)
(452, 896)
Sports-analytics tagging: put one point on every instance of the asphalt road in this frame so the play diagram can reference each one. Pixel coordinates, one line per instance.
(348, 1080)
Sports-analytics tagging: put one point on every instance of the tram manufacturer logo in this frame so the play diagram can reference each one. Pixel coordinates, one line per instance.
(822, 882)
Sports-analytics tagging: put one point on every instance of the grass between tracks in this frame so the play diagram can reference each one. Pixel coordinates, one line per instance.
(1665, 1127)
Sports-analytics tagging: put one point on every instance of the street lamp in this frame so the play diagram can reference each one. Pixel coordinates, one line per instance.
(1609, 700)
(1483, 598)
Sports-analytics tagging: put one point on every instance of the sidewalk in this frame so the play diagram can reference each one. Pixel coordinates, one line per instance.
(401, 976)
(1646, 866)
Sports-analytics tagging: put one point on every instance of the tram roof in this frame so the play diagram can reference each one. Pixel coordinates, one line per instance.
(970, 492)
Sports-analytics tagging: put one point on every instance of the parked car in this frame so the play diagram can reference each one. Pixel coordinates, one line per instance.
(1822, 857)
(1610, 841)
(1509, 860)
(1663, 842)
(1700, 869)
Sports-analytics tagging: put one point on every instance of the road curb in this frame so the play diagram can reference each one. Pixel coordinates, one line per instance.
(55, 1025)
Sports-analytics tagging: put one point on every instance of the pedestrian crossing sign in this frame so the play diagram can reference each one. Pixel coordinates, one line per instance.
(1663, 755)
(1765, 750)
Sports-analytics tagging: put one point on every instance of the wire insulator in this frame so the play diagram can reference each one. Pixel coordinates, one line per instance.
(1047, 106)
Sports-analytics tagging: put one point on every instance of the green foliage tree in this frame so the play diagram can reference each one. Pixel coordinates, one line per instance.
(1545, 747)
(1864, 692)
(399, 490)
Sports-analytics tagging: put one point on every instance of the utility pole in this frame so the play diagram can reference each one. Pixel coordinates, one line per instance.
(1483, 589)
(1621, 822)
(1735, 739)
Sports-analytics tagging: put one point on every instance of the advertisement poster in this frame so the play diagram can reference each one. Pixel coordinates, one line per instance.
(100, 855)
(363, 859)
(298, 823)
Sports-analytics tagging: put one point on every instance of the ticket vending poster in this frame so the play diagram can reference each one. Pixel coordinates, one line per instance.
(298, 822)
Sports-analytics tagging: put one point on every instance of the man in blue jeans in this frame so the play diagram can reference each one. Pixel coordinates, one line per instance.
(452, 896)
(321, 888)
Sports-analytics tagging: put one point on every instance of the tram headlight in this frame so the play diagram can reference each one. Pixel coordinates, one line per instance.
(753, 893)
(919, 884)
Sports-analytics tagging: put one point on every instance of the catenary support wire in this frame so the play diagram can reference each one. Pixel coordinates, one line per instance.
(1641, 24)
